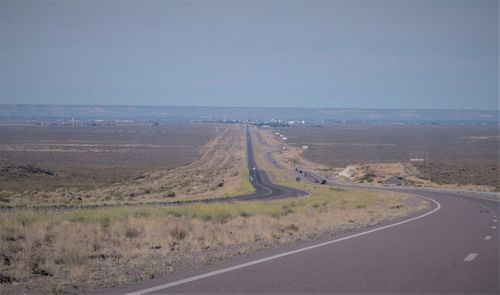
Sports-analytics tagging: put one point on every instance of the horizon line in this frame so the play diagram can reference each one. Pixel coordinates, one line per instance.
(257, 107)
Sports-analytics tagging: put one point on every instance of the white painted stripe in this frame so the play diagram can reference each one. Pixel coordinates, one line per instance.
(470, 257)
(487, 238)
(493, 227)
(273, 257)
(495, 220)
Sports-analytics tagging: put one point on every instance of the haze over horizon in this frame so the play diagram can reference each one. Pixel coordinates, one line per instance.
(245, 106)
(382, 55)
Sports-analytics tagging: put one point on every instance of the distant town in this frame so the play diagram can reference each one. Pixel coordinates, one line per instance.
(73, 116)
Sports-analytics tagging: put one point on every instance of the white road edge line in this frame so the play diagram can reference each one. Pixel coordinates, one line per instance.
(273, 257)
(470, 257)
(487, 238)
(493, 227)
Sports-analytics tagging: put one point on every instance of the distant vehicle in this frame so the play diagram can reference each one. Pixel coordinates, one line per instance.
(323, 181)
(297, 179)
(315, 180)
(300, 171)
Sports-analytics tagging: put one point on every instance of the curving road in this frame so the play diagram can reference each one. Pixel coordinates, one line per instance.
(453, 247)
(264, 187)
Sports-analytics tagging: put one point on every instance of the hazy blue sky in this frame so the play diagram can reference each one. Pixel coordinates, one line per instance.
(393, 54)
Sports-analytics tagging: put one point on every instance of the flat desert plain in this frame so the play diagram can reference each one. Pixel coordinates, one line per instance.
(457, 154)
(45, 157)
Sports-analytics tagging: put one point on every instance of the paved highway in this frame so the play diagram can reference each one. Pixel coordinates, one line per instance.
(453, 247)
(269, 154)
(264, 188)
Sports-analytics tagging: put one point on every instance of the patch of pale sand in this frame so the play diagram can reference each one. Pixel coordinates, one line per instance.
(348, 172)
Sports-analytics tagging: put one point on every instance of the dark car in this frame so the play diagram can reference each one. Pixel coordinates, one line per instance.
(323, 181)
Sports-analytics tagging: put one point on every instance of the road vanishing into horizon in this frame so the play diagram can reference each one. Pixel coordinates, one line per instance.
(264, 187)
(452, 247)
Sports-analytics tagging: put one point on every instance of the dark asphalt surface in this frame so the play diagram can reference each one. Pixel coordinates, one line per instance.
(270, 159)
(269, 154)
(425, 255)
(264, 188)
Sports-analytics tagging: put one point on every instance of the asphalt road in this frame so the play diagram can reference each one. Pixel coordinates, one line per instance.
(451, 248)
(264, 187)
(269, 154)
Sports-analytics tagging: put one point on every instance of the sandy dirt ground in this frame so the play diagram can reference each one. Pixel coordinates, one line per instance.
(386, 173)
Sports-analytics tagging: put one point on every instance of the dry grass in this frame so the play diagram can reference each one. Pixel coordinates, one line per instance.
(97, 248)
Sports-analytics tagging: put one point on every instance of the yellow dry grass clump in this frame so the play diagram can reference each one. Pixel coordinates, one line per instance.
(74, 250)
